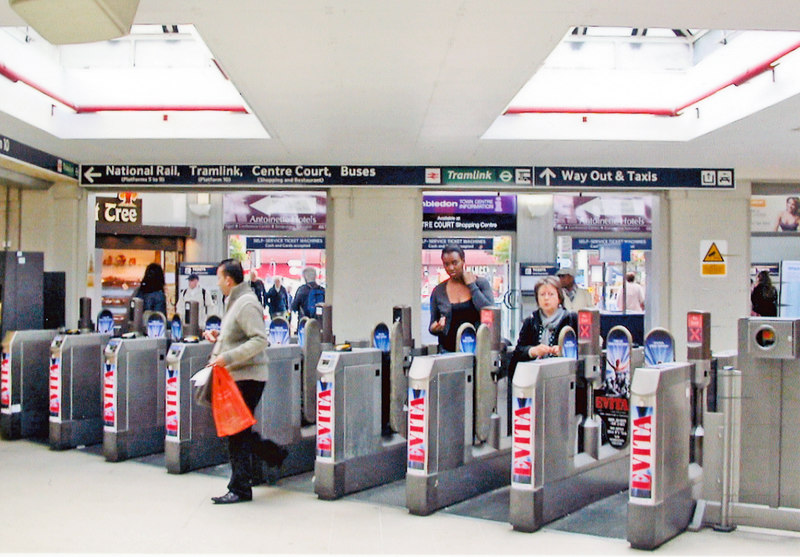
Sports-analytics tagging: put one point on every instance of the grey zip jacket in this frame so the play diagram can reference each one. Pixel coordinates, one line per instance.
(243, 340)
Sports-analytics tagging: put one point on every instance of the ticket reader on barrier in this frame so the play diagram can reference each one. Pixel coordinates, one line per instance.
(191, 440)
(24, 373)
(75, 389)
(661, 502)
(279, 413)
(351, 453)
(133, 393)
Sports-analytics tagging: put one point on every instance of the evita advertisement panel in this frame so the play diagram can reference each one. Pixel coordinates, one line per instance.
(469, 212)
(274, 211)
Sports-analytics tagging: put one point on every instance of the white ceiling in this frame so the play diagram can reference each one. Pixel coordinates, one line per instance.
(418, 82)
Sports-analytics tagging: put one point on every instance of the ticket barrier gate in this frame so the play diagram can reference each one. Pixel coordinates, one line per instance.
(446, 462)
(757, 469)
(351, 453)
(279, 412)
(552, 474)
(191, 440)
(134, 379)
(23, 384)
(75, 389)
(663, 482)
(457, 442)
(570, 424)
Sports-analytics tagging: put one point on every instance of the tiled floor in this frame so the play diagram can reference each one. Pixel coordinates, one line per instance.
(76, 502)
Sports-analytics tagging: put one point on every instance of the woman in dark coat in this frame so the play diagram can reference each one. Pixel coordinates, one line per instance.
(538, 337)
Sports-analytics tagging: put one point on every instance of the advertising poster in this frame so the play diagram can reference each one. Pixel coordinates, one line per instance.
(602, 214)
(55, 387)
(775, 213)
(325, 420)
(469, 212)
(417, 446)
(611, 400)
(642, 453)
(278, 332)
(109, 396)
(522, 443)
(274, 211)
(381, 339)
(568, 342)
(659, 347)
(5, 382)
(172, 421)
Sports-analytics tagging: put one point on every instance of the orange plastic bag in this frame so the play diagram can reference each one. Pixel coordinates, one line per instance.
(231, 414)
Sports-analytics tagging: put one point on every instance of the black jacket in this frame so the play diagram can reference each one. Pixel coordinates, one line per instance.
(530, 333)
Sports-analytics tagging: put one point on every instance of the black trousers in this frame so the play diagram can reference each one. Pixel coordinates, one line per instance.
(246, 444)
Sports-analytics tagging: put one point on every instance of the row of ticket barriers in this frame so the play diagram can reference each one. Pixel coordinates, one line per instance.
(708, 441)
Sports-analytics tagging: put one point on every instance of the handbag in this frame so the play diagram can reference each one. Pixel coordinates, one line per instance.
(231, 414)
(202, 383)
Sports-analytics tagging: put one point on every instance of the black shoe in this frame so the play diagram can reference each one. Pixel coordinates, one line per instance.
(230, 498)
(281, 455)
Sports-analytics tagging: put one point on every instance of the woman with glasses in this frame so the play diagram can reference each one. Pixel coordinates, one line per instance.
(538, 337)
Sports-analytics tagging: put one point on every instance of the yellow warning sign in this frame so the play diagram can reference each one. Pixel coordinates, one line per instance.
(714, 269)
(713, 255)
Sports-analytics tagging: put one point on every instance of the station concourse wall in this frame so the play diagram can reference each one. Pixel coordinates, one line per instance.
(719, 216)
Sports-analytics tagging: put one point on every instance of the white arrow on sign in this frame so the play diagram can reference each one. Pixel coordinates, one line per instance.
(90, 175)
(547, 174)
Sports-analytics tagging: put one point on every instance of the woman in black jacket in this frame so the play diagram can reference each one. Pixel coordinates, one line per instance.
(538, 337)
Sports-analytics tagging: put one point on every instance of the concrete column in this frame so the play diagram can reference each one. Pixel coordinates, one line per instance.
(54, 222)
(374, 257)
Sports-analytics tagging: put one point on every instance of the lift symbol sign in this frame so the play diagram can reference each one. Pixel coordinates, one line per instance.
(325, 420)
(522, 462)
(417, 447)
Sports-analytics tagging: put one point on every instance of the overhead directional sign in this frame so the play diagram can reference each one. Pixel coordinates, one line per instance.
(223, 175)
(144, 175)
(25, 153)
(639, 178)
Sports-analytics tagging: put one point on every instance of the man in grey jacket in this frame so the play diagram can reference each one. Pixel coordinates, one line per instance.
(240, 348)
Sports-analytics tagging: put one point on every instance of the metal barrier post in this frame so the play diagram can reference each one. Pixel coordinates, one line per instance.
(730, 383)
